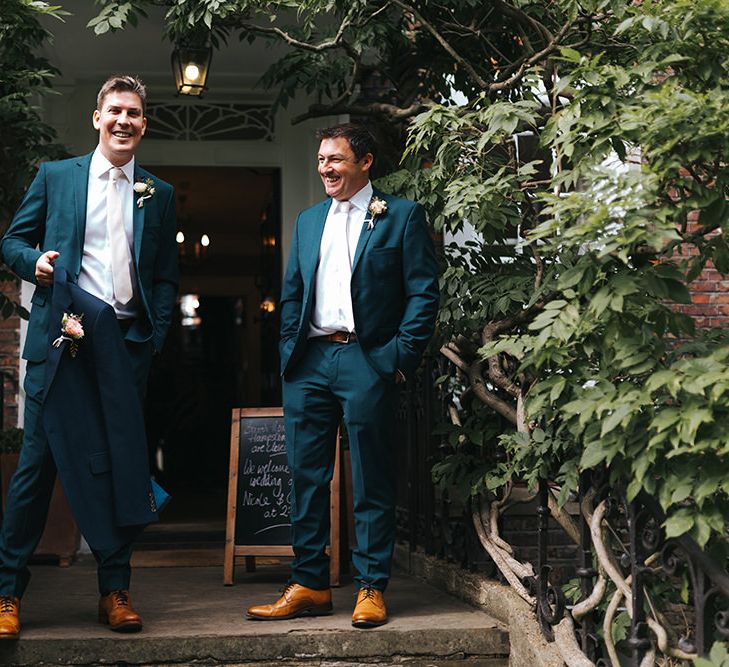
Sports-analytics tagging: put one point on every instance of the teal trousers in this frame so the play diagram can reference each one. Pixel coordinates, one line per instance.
(330, 382)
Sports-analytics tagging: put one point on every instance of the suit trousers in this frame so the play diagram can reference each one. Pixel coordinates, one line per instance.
(331, 381)
(30, 490)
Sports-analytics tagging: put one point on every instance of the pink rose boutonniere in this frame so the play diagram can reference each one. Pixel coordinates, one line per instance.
(71, 330)
(376, 208)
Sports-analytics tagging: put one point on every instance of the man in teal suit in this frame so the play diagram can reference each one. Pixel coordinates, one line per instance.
(110, 226)
(358, 308)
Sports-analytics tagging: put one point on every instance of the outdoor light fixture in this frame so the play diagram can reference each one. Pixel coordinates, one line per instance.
(268, 305)
(190, 65)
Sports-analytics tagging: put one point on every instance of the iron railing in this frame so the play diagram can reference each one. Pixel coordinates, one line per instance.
(637, 544)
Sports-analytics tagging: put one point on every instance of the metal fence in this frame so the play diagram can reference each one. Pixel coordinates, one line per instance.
(694, 607)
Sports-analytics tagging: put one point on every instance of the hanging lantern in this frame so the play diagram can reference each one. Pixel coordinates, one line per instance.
(191, 65)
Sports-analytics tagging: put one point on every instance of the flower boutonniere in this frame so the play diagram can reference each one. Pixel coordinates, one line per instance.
(145, 189)
(376, 208)
(71, 330)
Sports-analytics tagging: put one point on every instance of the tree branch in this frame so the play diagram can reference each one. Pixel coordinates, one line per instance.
(489, 334)
(347, 94)
(524, 18)
(442, 41)
(452, 355)
(375, 109)
(533, 60)
(475, 379)
(332, 43)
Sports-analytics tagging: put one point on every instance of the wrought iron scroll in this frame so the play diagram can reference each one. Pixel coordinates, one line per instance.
(638, 532)
(550, 598)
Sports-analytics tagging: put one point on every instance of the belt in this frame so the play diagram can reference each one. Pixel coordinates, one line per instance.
(338, 337)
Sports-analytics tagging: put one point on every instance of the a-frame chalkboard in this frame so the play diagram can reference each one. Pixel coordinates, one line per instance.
(259, 486)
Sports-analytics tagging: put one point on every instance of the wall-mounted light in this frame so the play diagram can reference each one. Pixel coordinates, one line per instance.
(189, 303)
(268, 305)
(204, 240)
(190, 66)
(180, 238)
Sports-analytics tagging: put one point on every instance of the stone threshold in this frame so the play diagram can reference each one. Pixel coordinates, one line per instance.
(527, 646)
(191, 618)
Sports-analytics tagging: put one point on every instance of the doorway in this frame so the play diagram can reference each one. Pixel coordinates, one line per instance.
(222, 348)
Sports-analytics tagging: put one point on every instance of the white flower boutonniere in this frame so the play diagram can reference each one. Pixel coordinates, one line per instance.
(376, 208)
(71, 330)
(144, 188)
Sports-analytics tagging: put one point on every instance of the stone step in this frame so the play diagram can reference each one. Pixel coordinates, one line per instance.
(191, 618)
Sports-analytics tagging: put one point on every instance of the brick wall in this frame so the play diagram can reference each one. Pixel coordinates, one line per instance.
(709, 293)
(10, 356)
(709, 300)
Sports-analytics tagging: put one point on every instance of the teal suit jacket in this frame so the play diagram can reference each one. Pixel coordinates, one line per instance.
(52, 216)
(394, 286)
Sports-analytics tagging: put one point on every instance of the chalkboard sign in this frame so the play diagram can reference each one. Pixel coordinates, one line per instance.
(264, 483)
(259, 492)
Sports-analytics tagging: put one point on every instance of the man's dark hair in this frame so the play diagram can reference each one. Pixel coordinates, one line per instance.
(359, 137)
(123, 83)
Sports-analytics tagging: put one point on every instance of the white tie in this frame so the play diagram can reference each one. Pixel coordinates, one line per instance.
(120, 274)
(344, 208)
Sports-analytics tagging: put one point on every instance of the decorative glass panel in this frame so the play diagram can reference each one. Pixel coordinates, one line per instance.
(209, 121)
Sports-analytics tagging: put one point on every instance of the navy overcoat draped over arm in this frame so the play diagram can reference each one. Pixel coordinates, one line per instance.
(94, 422)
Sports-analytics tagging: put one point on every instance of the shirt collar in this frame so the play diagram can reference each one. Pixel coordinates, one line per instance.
(100, 166)
(361, 200)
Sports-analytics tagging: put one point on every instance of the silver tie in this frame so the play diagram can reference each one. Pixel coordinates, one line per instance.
(120, 259)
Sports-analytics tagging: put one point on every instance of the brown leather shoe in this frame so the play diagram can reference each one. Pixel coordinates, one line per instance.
(370, 610)
(9, 617)
(296, 601)
(115, 610)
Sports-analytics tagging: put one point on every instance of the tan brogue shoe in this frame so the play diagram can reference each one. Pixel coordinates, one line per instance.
(370, 610)
(115, 610)
(9, 617)
(296, 601)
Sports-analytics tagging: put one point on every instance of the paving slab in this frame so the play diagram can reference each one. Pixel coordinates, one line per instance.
(190, 617)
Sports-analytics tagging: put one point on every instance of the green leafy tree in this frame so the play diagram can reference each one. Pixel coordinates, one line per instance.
(25, 138)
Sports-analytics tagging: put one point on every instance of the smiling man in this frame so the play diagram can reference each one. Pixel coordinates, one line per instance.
(110, 226)
(358, 307)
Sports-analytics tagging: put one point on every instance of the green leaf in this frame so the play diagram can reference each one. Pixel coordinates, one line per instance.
(665, 419)
(571, 54)
(678, 523)
(682, 492)
(615, 419)
(701, 531)
(557, 389)
(633, 489)
(593, 455)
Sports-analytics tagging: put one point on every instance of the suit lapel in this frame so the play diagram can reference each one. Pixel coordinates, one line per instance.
(314, 231)
(366, 234)
(80, 190)
(138, 216)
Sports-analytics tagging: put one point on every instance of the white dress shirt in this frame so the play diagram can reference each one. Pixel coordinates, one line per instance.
(332, 296)
(95, 274)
